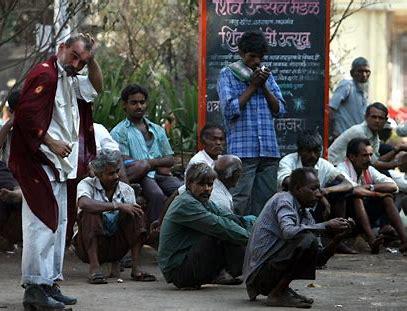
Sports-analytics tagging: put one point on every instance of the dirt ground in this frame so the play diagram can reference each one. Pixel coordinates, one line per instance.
(350, 282)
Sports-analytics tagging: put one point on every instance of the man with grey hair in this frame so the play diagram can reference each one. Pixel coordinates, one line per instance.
(52, 135)
(350, 99)
(110, 223)
(229, 168)
(194, 227)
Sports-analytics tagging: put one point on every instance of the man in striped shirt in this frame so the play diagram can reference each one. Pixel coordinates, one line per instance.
(283, 245)
(147, 152)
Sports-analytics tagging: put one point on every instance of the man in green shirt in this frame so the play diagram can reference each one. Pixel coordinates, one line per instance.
(193, 228)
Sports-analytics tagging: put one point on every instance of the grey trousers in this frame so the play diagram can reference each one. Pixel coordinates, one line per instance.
(156, 191)
(257, 184)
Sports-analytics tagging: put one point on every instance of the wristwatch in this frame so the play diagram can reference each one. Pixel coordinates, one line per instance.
(371, 187)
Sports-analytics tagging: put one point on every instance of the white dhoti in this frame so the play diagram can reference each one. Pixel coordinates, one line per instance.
(43, 250)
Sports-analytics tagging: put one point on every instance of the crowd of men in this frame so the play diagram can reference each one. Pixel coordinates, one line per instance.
(264, 221)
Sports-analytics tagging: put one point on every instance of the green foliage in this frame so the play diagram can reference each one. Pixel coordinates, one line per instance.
(169, 105)
(182, 108)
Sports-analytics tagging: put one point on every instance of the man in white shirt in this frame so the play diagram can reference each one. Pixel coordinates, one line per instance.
(332, 181)
(372, 193)
(375, 119)
(229, 169)
(213, 141)
(45, 143)
(103, 139)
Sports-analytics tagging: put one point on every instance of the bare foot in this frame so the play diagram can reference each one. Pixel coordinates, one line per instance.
(11, 196)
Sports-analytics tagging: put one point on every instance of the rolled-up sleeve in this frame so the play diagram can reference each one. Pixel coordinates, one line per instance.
(84, 189)
(86, 90)
(228, 96)
(379, 178)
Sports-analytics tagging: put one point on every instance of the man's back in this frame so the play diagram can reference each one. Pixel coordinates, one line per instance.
(337, 151)
(326, 171)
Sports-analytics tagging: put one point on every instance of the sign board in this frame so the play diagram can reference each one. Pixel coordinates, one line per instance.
(298, 35)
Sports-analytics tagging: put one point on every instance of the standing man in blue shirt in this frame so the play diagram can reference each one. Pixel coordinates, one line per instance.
(250, 100)
(350, 99)
(147, 152)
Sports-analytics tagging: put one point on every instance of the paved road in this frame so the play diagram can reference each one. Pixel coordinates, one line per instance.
(351, 282)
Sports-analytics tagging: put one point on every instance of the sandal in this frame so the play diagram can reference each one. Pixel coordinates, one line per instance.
(143, 277)
(224, 278)
(97, 278)
(286, 300)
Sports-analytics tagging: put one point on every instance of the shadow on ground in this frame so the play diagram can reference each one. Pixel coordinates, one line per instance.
(350, 282)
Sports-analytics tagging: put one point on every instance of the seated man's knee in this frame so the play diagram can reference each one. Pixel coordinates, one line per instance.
(90, 220)
(306, 240)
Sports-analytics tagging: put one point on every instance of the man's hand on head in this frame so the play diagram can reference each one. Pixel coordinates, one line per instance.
(94, 44)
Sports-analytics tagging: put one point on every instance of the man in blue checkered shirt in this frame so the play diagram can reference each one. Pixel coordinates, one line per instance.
(250, 100)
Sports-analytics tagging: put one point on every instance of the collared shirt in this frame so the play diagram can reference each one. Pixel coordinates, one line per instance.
(337, 151)
(132, 143)
(281, 219)
(368, 177)
(250, 132)
(326, 171)
(349, 103)
(201, 157)
(185, 222)
(65, 121)
(103, 139)
(91, 188)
